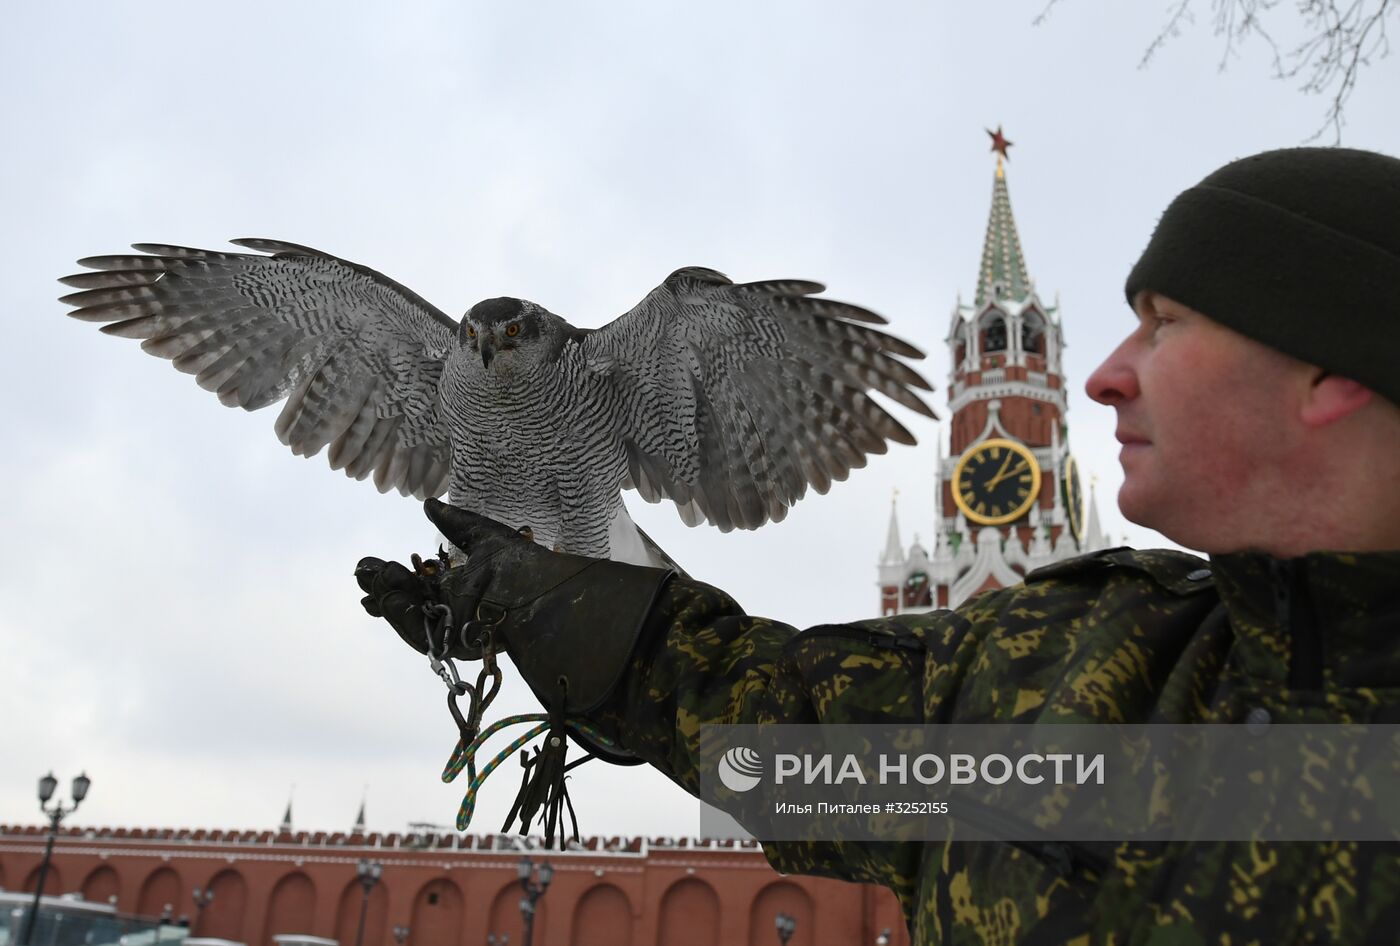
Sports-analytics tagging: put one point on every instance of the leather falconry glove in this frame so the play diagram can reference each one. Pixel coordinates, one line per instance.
(569, 623)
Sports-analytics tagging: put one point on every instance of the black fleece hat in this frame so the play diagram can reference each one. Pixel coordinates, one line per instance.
(1298, 249)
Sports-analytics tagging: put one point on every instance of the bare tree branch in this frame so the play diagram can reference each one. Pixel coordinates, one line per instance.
(1180, 12)
(1045, 13)
(1341, 37)
(1342, 40)
(1237, 20)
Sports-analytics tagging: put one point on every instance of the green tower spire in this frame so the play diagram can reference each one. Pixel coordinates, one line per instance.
(1003, 273)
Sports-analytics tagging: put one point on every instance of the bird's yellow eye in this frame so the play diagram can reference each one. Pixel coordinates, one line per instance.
(512, 330)
(471, 332)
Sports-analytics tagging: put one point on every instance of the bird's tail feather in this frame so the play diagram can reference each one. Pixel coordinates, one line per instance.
(628, 543)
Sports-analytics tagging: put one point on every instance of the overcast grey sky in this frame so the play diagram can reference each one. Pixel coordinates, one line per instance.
(177, 612)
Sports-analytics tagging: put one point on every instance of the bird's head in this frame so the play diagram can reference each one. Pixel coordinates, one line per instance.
(507, 335)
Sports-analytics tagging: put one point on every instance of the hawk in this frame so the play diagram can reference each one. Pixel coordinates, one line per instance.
(728, 399)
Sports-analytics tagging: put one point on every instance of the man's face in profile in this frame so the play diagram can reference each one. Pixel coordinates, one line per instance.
(1206, 418)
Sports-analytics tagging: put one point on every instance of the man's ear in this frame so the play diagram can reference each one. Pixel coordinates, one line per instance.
(1333, 397)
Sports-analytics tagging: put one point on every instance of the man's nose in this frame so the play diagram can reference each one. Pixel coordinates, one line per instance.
(1115, 380)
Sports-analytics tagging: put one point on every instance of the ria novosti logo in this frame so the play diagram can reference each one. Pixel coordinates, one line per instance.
(740, 769)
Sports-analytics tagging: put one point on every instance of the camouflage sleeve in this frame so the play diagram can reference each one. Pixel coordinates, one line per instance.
(703, 661)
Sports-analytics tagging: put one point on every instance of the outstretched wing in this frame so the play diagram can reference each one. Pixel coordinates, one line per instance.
(356, 355)
(733, 398)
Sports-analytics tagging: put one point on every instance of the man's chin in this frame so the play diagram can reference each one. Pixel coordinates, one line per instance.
(1136, 504)
(1141, 508)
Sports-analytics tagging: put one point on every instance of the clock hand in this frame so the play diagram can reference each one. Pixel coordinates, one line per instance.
(1005, 473)
(1001, 472)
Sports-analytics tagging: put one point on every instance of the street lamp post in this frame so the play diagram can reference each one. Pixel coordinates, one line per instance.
(786, 926)
(47, 785)
(533, 891)
(368, 873)
(203, 896)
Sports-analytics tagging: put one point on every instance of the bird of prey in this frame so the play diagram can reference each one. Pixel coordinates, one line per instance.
(728, 399)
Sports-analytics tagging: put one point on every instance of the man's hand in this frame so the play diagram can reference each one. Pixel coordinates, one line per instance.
(399, 595)
(396, 594)
(569, 622)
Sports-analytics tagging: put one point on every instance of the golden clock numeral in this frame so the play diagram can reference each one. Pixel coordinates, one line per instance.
(969, 498)
(1026, 476)
(981, 509)
(996, 510)
(994, 452)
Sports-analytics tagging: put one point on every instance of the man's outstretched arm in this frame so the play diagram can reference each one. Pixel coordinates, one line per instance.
(649, 658)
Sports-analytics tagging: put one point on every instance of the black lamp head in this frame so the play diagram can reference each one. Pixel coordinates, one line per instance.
(47, 786)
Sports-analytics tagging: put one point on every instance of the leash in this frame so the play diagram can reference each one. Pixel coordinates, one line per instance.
(543, 788)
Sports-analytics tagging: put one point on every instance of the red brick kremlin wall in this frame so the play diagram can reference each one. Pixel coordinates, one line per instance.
(450, 890)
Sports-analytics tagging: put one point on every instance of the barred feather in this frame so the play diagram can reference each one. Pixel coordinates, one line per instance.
(731, 400)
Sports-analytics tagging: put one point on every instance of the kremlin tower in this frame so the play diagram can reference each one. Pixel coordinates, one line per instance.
(1008, 496)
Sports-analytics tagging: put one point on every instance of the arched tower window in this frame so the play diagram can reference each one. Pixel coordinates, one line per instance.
(959, 347)
(918, 593)
(994, 335)
(1033, 334)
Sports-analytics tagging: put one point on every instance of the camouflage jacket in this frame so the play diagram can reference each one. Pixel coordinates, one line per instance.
(1119, 636)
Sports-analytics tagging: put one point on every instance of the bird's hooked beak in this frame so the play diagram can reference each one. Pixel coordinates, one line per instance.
(488, 351)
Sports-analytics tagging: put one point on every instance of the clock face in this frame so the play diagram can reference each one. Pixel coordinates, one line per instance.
(996, 482)
(1072, 495)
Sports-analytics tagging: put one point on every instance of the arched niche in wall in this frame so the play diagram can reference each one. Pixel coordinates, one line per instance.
(223, 917)
(161, 889)
(102, 885)
(53, 881)
(347, 915)
(292, 907)
(689, 914)
(782, 897)
(438, 910)
(602, 917)
(504, 918)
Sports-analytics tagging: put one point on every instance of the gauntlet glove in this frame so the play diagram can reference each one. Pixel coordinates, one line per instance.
(569, 623)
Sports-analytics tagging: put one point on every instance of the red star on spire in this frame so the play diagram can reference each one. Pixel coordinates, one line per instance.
(999, 142)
